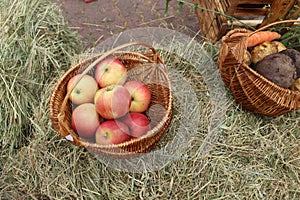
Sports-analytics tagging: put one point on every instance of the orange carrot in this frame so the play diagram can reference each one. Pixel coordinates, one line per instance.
(259, 37)
(262, 36)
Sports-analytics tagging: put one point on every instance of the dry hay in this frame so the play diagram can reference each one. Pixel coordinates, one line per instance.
(35, 45)
(254, 157)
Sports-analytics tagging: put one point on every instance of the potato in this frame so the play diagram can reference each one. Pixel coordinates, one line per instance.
(278, 68)
(247, 58)
(296, 85)
(280, 47)
(265, 49)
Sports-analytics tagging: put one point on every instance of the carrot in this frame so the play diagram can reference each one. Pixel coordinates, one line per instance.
(262, 36)
(259, 37)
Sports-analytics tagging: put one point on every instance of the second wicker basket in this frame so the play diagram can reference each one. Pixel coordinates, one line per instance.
(251, 90)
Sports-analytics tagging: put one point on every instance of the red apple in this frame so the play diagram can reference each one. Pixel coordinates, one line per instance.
(112, 102)
(110, 72)
(138, 124)
(88, 1)
(112, 132)
(140, 96)
(83, 91)
(85, 120)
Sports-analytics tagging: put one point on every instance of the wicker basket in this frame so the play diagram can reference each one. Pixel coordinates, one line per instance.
(254, 92)
(146, 66)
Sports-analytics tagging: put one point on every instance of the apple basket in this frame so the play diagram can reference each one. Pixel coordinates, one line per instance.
(250, 89)
(145, 66)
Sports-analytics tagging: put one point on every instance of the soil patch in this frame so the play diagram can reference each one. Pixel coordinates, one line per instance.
(99, 20)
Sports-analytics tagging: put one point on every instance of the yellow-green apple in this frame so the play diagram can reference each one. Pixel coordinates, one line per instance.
(85, 120)
(110, 71)
(140, 95)
(112, 132)
(138, 124)
(83, 90)
(112, 101)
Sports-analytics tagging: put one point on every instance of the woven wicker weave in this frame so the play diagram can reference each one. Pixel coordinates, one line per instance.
(251, 90)
(145, 66)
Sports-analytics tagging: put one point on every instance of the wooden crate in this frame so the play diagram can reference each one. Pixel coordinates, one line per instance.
(214, 23)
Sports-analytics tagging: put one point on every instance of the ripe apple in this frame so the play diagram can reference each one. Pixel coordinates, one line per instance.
(140, 96)
(112, 132)
(83, 91)
(112, 101)
(138, 124)
(88, 1)
(85, 120)
(110, 71)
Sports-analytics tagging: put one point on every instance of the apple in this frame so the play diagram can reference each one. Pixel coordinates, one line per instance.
(85, 120)
(110, 71)
(112, 132)
(112, 101)
(138, 124)
(88, 1)
(140, 96)
(83, 91)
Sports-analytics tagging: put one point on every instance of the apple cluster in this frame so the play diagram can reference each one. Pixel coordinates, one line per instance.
(108, 108)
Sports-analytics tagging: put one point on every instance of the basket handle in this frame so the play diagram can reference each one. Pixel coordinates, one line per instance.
(93, 64)
(274, 23)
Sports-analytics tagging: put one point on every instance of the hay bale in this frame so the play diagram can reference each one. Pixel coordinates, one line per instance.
(35, 46)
